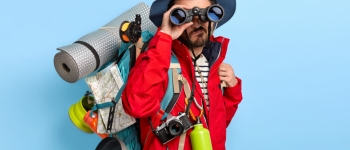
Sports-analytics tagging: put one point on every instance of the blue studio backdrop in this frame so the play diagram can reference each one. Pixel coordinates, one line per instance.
(292, 55)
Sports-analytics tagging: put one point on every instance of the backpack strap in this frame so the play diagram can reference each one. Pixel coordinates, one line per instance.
(145, 46)
(133, 53)
(174, 87)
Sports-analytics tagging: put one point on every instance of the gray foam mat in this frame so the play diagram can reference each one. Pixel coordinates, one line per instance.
(77, 60)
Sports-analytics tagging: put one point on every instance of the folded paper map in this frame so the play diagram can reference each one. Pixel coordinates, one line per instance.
(105, 86)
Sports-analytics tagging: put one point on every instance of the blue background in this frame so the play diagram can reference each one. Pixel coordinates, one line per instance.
(293, 57)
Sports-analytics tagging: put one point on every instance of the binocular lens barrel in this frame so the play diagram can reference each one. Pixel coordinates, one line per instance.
(215, 14)
(179, 16)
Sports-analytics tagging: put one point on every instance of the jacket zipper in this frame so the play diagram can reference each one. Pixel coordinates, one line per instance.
(222, 41)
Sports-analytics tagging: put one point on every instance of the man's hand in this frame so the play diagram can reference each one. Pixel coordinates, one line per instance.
(173, 30)
(226, 74)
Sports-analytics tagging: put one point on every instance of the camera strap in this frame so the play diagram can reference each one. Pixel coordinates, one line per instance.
(191, 97)
(182, 141)
(209, 33)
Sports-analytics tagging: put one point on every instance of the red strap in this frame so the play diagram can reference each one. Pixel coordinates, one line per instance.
(147, 136)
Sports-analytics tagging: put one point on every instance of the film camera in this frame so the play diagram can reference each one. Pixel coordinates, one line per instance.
(173, 127)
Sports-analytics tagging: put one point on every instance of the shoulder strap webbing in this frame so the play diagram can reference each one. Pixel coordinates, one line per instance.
(132, 57)
(145, 46)
(133, 53)
(174, 87)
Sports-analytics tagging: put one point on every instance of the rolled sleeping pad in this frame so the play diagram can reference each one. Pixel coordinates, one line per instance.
(92, 51)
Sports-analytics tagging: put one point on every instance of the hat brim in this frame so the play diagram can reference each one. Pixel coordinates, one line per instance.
(159, 7)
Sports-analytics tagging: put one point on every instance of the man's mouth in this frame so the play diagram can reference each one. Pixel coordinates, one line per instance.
(197, 31)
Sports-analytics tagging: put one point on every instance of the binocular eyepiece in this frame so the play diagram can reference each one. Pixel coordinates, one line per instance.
(213, 13)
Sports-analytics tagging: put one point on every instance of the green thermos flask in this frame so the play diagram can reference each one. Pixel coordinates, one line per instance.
(200, 137)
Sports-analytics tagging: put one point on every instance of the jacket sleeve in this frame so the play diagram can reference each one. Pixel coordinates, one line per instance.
(232, 97)
(147, 80)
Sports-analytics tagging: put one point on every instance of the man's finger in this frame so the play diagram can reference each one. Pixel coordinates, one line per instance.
(223, 68)
(224, 79)
(226, 65)
(185, 26)
(223, 73)
(226, 68)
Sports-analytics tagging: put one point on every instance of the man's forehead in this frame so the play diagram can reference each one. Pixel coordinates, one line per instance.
(192, 3)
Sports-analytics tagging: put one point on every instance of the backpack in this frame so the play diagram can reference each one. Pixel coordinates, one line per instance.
(125, 61)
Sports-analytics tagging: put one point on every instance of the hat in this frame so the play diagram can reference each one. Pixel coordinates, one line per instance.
(159, 7)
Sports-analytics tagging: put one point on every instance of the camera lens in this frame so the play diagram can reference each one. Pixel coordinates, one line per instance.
(178, 16)
(175, 127)
(215, 13)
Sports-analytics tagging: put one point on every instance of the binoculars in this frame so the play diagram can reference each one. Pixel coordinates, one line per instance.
(213, 13)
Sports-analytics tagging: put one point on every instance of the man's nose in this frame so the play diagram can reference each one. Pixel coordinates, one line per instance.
(196, 22)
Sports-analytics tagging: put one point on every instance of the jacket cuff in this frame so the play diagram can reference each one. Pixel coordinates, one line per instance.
(161, 33)
(237, 89)
(164, 36)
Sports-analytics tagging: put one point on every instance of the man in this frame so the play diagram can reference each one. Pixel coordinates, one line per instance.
(148, 79)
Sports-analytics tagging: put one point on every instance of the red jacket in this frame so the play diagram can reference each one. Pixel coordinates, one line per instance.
(147, 84)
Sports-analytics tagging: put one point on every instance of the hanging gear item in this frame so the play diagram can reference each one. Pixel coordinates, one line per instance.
(92, 121)
(200, 137)
(78, 110)
(131, 31)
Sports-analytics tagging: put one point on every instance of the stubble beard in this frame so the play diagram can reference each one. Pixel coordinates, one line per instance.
(199, 41)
